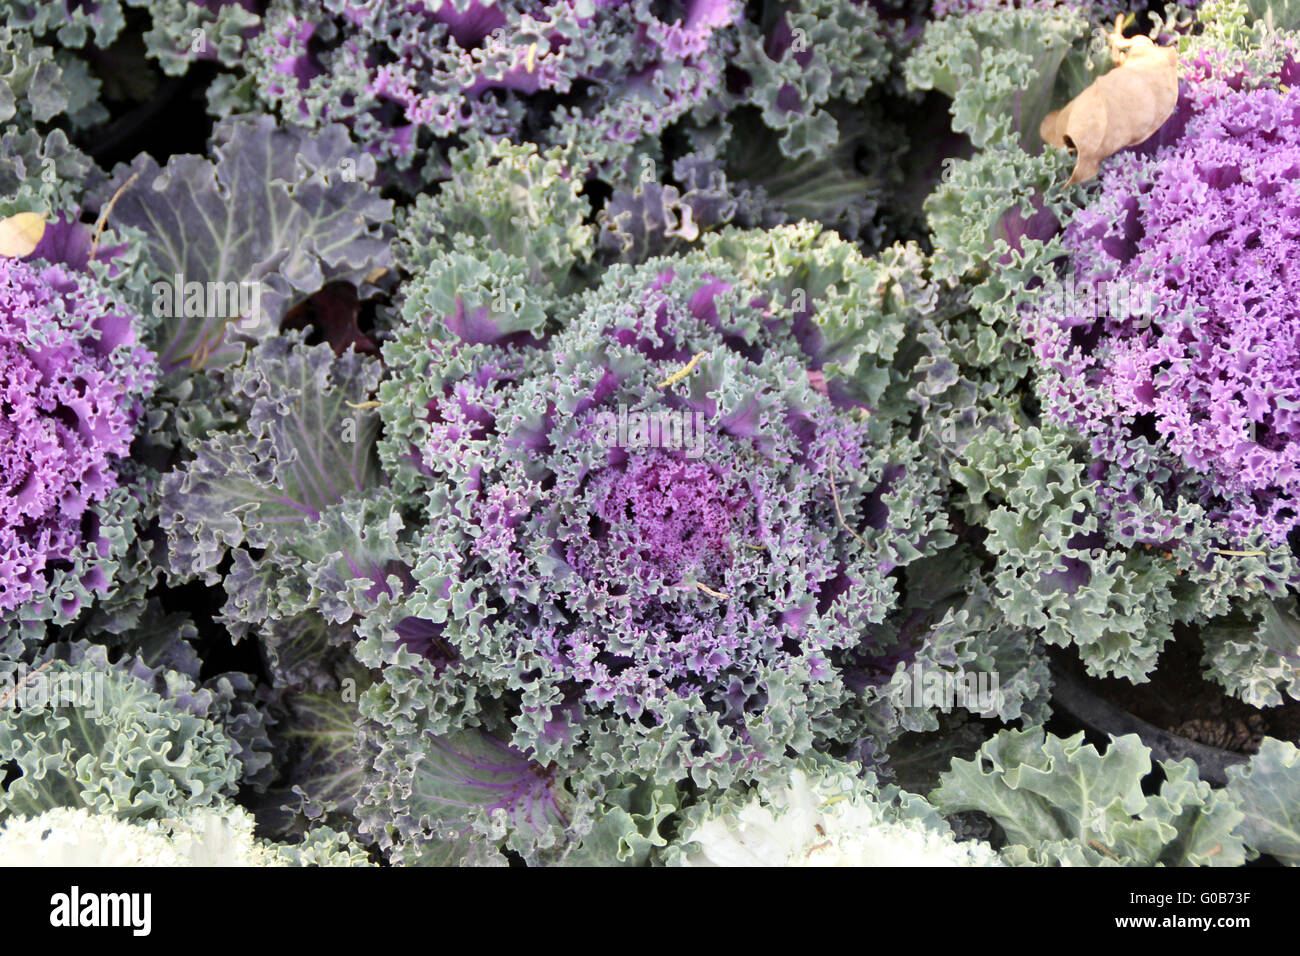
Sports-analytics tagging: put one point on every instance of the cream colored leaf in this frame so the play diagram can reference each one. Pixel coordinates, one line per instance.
(21, 234)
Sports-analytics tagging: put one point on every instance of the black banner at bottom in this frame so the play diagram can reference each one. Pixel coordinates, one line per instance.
(337, 908)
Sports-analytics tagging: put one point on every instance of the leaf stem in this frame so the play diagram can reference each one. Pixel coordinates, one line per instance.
(108, 208)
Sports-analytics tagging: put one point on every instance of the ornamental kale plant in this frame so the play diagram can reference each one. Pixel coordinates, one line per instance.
(611, 603)
(640, 433)
(596, 76)
(75, 378)
(1205, 221)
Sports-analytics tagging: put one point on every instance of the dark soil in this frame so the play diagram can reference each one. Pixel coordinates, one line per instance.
(1181, 700)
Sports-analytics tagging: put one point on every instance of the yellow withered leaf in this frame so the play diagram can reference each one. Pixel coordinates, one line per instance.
(1120, 109)
(21, 234)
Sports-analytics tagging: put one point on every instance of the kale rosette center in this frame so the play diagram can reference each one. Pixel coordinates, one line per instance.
(664, 517)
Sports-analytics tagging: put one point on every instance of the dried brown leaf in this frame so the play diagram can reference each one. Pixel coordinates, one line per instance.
(1120, 109)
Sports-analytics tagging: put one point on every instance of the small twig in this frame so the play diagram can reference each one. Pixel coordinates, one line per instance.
(835, 496)
(720, 595)
(682, 373)
(5, 699)
(108, 208)
(201, 353)
(1101, 849)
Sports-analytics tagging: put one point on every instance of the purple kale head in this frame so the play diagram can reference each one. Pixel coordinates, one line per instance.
(72, 379)
(655, 540)
(395, 68)
(1177, 351)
